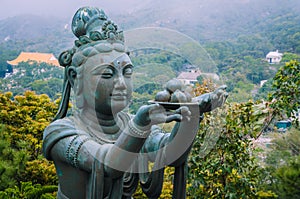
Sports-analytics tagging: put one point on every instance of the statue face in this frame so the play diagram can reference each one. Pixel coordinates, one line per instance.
(107, 83)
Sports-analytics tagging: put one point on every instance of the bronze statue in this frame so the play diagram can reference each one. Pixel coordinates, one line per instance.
(101, 151)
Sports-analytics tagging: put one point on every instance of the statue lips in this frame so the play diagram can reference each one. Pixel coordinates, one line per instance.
(119, 96)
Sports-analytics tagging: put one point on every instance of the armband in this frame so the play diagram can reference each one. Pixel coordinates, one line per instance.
(73, 149)
(133, 130)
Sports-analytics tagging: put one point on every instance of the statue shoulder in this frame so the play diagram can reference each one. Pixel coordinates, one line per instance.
(58, 130)
(60, 126)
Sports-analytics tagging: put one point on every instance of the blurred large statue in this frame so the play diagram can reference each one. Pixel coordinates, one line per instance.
(101, 151)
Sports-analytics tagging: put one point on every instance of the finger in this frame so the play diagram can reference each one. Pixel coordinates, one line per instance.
(175, 117)
(225, 95)
(222, 93)
(223, 87)
(154, 107)
(183, 110)
(220, 89)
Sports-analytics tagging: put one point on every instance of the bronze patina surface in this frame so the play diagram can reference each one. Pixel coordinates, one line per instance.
(101, 151)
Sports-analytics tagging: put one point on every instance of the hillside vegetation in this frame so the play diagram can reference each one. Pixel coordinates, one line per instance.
(236, 37)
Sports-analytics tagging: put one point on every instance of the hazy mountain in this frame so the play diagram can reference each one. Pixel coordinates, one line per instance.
(29, 27)
(211, 19)
(203, 20)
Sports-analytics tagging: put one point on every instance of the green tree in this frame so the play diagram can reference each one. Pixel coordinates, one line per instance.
(222, 164)
(282, 157)
(286, 97)
(287, 183)
(264, 90)
(27, 190)
(282, 165)
(23, 120)
(287, 57)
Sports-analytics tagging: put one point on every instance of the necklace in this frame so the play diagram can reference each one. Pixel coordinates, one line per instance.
(105, 134)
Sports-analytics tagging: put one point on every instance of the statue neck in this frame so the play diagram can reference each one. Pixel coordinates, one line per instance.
(107, 123)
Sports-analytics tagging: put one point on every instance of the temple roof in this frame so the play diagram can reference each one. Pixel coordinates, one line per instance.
(48, 58)
(189, 75)
(274, 54)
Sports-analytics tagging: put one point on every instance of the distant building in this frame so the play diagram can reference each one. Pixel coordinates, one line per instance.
(48, 58)
(283, 125)
(262, 82)
(274, 57)
(189, 77)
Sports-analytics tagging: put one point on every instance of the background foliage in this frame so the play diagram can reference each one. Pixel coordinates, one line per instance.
(23, 120)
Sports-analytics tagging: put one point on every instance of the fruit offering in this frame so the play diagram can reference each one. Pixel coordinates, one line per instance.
(175, 92)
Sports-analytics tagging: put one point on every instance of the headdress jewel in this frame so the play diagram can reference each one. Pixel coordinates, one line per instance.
(91, 24)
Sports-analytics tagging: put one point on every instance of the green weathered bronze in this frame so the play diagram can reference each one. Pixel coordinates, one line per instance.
(101, 151)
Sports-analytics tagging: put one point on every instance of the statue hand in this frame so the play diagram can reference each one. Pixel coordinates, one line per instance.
(210, 101)
(153, 114)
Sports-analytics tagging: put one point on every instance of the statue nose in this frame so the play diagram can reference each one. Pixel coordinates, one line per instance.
(120, 83)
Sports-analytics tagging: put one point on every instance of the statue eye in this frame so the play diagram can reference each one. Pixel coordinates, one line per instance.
(127, 72)
(107, 73)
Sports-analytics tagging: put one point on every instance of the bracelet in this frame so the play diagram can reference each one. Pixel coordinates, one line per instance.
(73, 149)
(136, 132)
(70, 151)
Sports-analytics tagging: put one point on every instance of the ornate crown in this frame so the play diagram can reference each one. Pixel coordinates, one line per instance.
(91, 24)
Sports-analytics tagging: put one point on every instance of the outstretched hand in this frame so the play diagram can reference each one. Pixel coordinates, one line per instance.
(218, 97)
(210, 101)
(149, 115)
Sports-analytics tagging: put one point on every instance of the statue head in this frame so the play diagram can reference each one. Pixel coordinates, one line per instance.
(97, 68)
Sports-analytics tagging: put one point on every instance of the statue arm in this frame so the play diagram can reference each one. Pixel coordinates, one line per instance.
(77, 150)
(179, 142)
(63, 142)
(126, 149)
(75, 147)
(131, 141)
(175, 145)
(210, 101)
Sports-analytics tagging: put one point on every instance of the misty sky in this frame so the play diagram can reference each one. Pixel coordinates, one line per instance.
(61, 8)
(66, 8)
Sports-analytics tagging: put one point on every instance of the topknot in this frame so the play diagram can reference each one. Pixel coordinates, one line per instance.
(91, 24)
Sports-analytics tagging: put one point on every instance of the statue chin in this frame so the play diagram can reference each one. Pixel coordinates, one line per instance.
(118, 105)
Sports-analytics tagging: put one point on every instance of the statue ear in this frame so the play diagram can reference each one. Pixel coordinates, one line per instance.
(71, 74)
